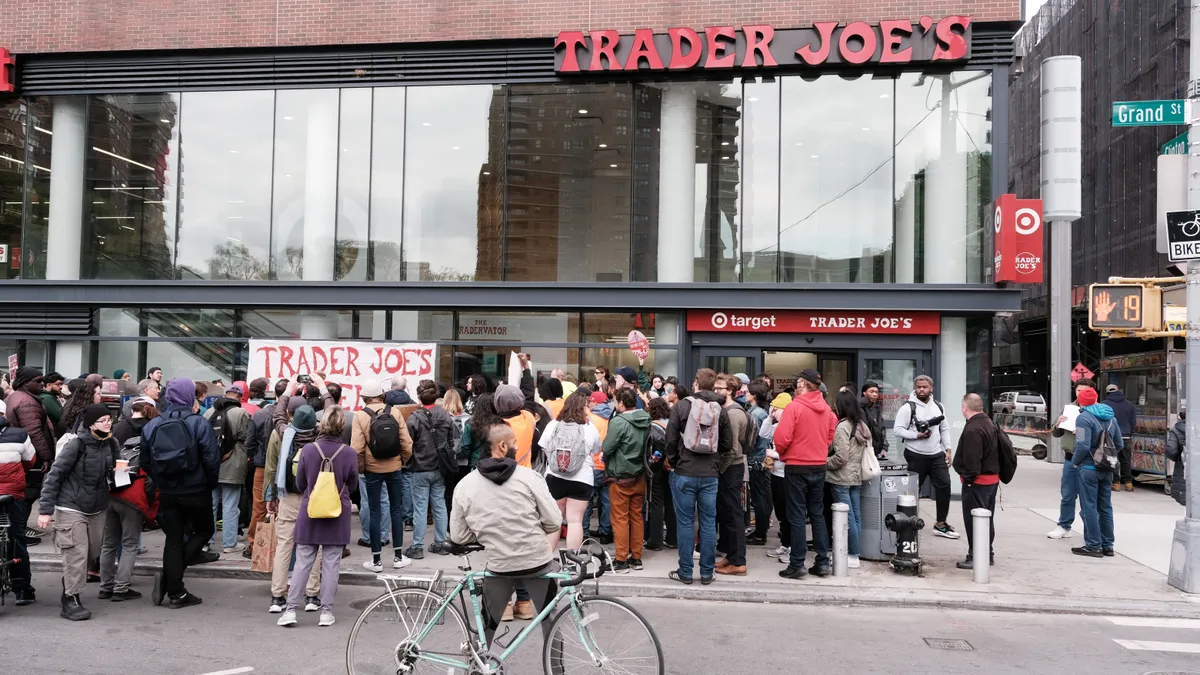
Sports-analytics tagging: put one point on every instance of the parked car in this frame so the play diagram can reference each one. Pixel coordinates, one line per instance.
(1019, 403)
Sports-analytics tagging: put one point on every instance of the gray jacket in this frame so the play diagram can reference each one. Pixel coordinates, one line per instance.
(78, 479)
(233, 468)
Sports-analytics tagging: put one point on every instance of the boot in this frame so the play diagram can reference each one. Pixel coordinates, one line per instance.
(1129, 487)
(72, 609)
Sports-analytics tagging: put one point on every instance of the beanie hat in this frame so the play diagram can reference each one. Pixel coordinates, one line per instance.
(94, 412)
(25, 374)
(305, 418)
(869, 384)
(1086, 396)
(782, 400)
(118, 374)
(508, 399)
(627, 373)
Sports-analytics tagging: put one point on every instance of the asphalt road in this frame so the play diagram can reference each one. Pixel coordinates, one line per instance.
(232, 633)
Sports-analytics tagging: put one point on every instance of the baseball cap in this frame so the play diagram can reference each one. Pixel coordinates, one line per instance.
(371, 390)
(1111, 388)
(627, 373)
(810, 375)
(742, 377)
(598, 397)
(235, 388)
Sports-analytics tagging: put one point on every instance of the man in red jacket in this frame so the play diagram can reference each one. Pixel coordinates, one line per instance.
(802, 440)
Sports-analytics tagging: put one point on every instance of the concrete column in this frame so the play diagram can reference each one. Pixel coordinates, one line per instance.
(666, 331)
(68, 154)
(677, 184)
(320, 189)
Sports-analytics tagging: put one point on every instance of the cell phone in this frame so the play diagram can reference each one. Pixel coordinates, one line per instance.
(304, 379)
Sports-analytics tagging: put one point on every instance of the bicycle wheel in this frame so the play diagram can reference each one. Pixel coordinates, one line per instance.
(619, 641)
(382, 635)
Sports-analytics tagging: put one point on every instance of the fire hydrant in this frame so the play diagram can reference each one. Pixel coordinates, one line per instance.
(907, 526)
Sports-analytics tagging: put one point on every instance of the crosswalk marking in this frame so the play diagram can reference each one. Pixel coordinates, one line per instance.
(1149, 645)
(1151, 622)
(232, 671)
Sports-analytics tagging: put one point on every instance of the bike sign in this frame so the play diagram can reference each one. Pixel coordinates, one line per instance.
(1183, 235)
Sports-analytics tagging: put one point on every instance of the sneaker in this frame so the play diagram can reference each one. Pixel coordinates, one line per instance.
(1088, 552)
(25, 597)
(208, 557)
(945, 531)
(105, 594)
(439, 549)
(185, 599)
(415, 552)
(1108, 553)
(373, 566)
(966, 564)
(142, 550)
(620, 567)
(288, 619)
(408, 525)
(236, 548)
(793, 572)
(31, 533)
(755, 540)
(248, 552)
(401, 562)
(220, 524)
(853, 562)
(781, 552)
(277, 605)
(311, 603)
(326, 618)
(1059, 533)
(635, 564)
(820, 570)
(127, 594)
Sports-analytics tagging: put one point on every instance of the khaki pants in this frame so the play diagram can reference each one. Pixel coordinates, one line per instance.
(285, 541)
(78, 536)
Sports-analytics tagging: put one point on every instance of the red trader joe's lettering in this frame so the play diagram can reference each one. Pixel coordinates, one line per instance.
(7, 76)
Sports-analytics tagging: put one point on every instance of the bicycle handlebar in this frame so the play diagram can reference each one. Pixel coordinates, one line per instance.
(583, 559)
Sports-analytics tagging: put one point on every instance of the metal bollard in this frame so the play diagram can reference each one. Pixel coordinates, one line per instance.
(981, 544)
(841, 538)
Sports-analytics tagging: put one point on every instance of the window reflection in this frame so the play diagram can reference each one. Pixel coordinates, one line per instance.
(12, 183)
(718, 239)
(306, 172)
(759, 158)
(387, 184)
(225, 185)
(34, 239)
(353, 184)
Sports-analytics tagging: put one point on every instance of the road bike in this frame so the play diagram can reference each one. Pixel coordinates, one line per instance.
(6, 550)
(414, 629)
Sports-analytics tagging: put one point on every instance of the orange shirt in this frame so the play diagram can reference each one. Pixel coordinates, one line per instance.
(601, 425)
(554, 407)
(523, 426)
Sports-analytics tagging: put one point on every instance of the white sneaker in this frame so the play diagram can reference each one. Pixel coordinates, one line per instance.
(236, 548)
(288, 618)
(781, 552)
(1058, 533)
(786, 558)
(373, 566)
(326, 618)
(853, 562)
(401, 562)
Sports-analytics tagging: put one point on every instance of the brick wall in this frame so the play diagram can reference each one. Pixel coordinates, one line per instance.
(112, 25)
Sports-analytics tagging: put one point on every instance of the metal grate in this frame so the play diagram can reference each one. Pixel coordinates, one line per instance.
(42, 322)
(949, 644)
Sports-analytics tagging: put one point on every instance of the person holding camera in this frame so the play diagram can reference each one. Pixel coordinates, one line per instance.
(921, 423)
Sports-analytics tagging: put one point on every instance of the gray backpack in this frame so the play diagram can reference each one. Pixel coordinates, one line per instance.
(703, 425)
(568, 448)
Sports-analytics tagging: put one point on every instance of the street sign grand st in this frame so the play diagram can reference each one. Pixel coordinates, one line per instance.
(1148, 113)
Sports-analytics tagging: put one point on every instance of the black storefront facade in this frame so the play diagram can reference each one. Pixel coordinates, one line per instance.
(163, 209)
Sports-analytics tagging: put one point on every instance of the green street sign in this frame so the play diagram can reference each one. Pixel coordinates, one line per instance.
(1148, 113)
(1175, 146)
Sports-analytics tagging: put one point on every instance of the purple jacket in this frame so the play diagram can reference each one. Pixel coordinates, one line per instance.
(325, 531)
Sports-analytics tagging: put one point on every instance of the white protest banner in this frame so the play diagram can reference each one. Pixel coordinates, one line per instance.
(350, 364)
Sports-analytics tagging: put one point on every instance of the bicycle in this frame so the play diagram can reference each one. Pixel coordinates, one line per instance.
(576, 634)
(6, 555)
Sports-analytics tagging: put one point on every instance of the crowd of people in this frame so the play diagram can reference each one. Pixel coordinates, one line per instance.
(663, 464)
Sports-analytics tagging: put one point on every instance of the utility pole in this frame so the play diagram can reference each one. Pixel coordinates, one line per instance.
(1185, 548)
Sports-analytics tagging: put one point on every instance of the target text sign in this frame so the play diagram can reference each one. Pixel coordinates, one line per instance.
(1019, 239)
(814, 321)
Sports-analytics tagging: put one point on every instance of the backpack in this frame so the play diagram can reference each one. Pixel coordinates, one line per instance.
(912, 411)
(383, 433)
(1104, 453)
(325, 500)
(173, 451)
(131, 451)
(703, 426)
(1007, 454)
(750, 435)
(226, 441)
(568, 448)
(438, 437)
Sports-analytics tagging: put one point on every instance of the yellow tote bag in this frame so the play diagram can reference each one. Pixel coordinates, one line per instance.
(325, 500)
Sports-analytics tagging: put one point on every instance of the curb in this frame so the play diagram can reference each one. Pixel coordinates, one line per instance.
(774, 593)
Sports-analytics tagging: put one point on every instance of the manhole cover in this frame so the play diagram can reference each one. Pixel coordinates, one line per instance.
(950, 644)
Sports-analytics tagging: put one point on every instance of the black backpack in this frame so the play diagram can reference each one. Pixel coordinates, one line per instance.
(438, 436)
(383, 433)
(1007, 455)
(226, 441)
(173, 451)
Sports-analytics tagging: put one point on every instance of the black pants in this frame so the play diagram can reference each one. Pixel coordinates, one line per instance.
(760, 499)
(731, 516)
(978, 497)
(498, 589)
(190, 515)
(662, 507)
(1125, 456)
(779, 496)
(934, 468)
(246, 504)
(18, 518)
(806, 502)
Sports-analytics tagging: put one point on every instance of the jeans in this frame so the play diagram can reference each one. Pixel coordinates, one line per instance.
(229, 497)
(760, 500)
(429, 486)
(18, 518)
(662, 508)
(1069, 488)
(364, 506)
(407, 500)
(605, 505)
(1095, 507)
(396, 491)
(806, 497)
(779, 495)
(934, 467)
(852, 495)
(979, 497)
(189, 514)
(691, 494)
(731, 515)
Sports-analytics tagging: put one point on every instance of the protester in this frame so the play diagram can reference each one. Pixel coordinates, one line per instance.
(977, 463)
(551, 392)
(435, 441)
(181, 456)
(230, 423)
(779, 487)
(201, 395)
(17, 455)
(76, 495)
(329, 534)
(283, 496)
(873, 416)
(695, 459)
(1069, 485)
(52, 400)
(731, 516)
(926, 433)
(851, 438)
(453, 404)
(147, 388)
(802, 440)
(256, 392)
(624, 450)
(1095, 483)
(85, 394)
(476, 386)
(258, 436)
(658, 387)
(129, 509)
(23, 409)
(510, 405)
(1177, 452)
(758, 397)
(626, 377)
(155, 373)
(1126, 415)
(569, 443)
(383, 447)
(662, 508)
(599, 412)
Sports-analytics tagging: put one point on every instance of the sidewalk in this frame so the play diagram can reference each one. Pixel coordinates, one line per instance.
(1032, 573)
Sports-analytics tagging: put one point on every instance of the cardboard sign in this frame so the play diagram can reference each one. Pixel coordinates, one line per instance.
(1019, 239)
(3, 253)
(802, 321)
(13, 364)
(350, 364)
(638, 344)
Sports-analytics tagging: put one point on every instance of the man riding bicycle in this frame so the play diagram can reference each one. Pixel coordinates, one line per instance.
(507, 508)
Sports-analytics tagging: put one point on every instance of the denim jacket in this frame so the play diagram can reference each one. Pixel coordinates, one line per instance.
(758, 416)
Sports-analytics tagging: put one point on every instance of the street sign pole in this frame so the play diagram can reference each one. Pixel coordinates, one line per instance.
(1185, 548)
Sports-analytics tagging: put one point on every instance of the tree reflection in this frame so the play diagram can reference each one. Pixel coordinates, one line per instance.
(233, 260)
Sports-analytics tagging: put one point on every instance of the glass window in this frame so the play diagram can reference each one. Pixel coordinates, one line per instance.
(615, 328)
(453, 191)
(306, 169)
(32, 254)
(492, 362)
(353, 183)
(117, 322)
(129, 198)
(663, 362)
(190, 323)
(758, 155)
(288, 323)
(225, 185)
(516, 327)
(421, 326)
(198, 361)
(12, 185)
(387, 184)
(836, 179)
(114, 355)
(717, 236)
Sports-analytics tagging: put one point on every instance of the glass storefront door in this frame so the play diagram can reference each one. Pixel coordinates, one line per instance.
(893, 371)
(722, 360)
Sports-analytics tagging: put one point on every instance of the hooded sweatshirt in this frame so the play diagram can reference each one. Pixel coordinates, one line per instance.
(906, 427)
(508, 509)
(1092, 421)
(805, 432)
(625, 444)
(1123, 411)
(181, 396)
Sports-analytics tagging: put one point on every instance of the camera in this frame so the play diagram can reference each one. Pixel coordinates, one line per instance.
(304, 379)
(925, 425)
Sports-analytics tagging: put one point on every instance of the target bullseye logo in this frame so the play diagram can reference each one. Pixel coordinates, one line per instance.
(999, 218)
(719, 320)
(1028, 221)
